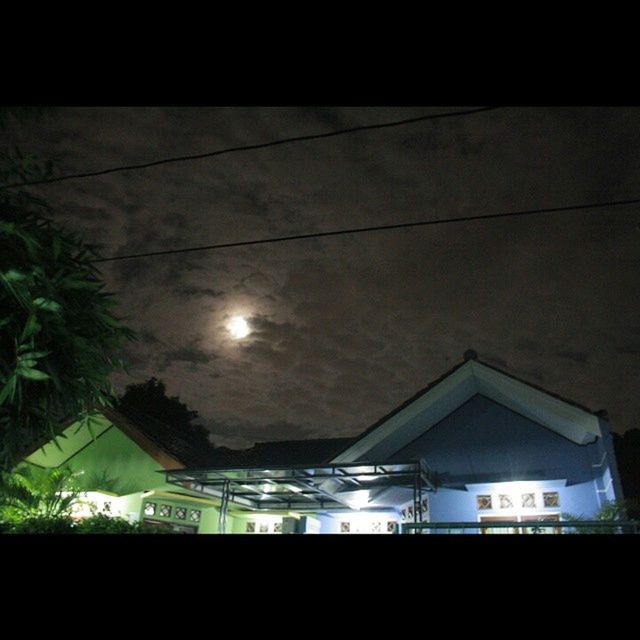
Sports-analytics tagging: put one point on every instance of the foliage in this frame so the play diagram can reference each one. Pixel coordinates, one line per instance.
(43, 524)
(150, 398)
(103, 481)
(59, 339)
(101, 523)
(35, 493)
(622, 510)
(98, 524)
(627, 448)
(33, 500)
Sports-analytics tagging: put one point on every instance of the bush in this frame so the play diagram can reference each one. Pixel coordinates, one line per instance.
(100, 524)
(43, 524)
(105, 524)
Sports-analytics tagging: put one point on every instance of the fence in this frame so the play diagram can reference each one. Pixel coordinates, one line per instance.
(563, 526)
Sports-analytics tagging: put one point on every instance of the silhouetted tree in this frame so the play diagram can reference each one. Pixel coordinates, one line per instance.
(59, 340)
(627, 448)
(150, 398)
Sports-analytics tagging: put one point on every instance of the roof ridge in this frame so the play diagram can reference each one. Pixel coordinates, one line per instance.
(540, 388)
(469, 356)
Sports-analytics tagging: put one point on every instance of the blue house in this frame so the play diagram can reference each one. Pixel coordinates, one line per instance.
(476, 445)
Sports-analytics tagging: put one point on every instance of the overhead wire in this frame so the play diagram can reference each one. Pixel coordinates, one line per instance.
(249, 147)
(372, 229)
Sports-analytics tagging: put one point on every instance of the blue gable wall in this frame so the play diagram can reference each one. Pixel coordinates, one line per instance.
(485, 442)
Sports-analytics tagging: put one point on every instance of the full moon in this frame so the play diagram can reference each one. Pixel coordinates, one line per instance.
(238, 327)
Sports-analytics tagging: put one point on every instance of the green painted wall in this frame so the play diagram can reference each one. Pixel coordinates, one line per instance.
(239, 524)
(70, 442)
(112, 462)
(208, 514)
(210, 521)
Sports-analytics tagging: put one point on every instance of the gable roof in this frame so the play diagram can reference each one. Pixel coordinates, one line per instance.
(282, 453)
(444, 395)
(170, 448)
(160, 440)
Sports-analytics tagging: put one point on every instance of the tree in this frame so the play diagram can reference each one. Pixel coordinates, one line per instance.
(30, 493)
(150, 398)
(59, 339)
(627, 448)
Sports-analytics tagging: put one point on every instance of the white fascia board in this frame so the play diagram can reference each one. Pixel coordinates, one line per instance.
(451, 392)
(473, 377)
(565, 419)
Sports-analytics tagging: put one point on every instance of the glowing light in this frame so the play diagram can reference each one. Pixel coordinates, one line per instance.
(357, 499)
(238, 328)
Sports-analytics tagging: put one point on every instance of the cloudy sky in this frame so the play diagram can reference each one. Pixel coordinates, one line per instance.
(346, 328)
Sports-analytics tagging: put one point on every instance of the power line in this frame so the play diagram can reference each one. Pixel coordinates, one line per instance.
(263, 145)
(386, 227)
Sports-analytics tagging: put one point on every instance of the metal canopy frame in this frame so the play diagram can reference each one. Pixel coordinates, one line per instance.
(306, 488)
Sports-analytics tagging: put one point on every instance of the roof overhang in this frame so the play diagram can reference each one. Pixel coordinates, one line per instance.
(326, 487)
(435, 404)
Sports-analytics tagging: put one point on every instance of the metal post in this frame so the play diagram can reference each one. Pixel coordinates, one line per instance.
(420, 494)
(224, 503)
(417, 497)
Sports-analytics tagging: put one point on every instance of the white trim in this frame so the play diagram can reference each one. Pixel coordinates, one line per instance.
(604, 457)
(607, 487)
(577, 425)
(525, 523)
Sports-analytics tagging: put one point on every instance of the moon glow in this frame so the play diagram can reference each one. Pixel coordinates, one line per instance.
(238, 328)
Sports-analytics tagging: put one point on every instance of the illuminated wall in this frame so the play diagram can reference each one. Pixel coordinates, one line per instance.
(483, 442)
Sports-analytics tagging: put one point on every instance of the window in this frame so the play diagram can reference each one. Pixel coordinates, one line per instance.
(539, 527)
(195, 515)
(150, 509)
(250, 527)
(277, 527)
(181, 513)
(529, 500)
(345, 527)
(531, 524)
(391, 526)
(264, 527)
(165, 511)
(484, 502)
(506, 502)
(551, 499)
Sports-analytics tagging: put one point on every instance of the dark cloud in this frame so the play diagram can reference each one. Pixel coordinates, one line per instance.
(346, 328)
(189, 354)
(199, 291)
(576, 356)
(245, 434)
(147, 336)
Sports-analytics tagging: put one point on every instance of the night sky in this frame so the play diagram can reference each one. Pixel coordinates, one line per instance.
(347, 328)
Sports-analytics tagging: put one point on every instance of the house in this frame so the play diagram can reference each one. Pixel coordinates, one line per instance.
(478, 445)
(118, 468)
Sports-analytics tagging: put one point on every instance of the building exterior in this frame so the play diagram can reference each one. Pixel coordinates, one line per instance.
(475, 446)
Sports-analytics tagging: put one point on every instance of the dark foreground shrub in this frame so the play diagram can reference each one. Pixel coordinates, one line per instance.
(63, 524)
(42, 524)
(105, 524)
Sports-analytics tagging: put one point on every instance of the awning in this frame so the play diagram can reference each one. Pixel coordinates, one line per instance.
(311, 488)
